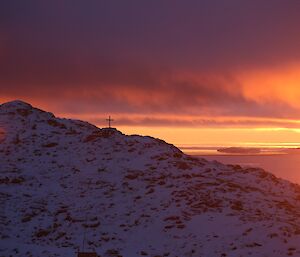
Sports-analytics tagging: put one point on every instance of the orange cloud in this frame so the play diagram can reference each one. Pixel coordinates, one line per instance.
(280, 84)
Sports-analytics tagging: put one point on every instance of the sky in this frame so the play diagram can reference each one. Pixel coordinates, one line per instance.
(190, 72)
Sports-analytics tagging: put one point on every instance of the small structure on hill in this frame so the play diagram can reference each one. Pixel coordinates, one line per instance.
(109, 121)
(83, 253)
(87, 254)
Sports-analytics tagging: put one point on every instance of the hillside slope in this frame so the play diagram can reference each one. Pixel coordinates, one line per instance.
(65, 180)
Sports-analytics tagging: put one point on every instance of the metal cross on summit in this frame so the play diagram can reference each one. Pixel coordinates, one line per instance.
(109, 121)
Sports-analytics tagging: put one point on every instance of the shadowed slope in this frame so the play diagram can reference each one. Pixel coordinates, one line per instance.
(131, 195)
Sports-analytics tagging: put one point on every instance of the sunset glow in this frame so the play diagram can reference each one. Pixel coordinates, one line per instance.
(150, 128)
(202, 79)
(279, 84)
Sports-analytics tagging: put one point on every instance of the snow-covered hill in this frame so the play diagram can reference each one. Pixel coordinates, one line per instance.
(65, 180)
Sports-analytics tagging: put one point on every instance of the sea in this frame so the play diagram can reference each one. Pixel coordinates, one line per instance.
(281, 160)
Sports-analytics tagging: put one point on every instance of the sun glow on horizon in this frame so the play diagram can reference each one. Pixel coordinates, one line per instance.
(220, 136)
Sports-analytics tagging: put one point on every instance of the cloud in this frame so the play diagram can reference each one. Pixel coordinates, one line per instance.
(193, 121)
(129, 89)
(192, 59)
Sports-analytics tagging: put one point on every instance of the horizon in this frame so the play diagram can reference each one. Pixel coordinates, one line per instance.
(178, 135)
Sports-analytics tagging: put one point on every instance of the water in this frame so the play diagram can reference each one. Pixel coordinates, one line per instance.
(284, 165)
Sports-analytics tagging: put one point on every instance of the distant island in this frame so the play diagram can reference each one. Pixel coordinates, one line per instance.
(240, 150)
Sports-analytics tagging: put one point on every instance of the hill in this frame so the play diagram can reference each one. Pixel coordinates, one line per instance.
(65, 180)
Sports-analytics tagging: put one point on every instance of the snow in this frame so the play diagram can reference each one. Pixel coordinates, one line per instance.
(131, 195)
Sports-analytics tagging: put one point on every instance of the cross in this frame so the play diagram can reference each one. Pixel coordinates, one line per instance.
(109, 121)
